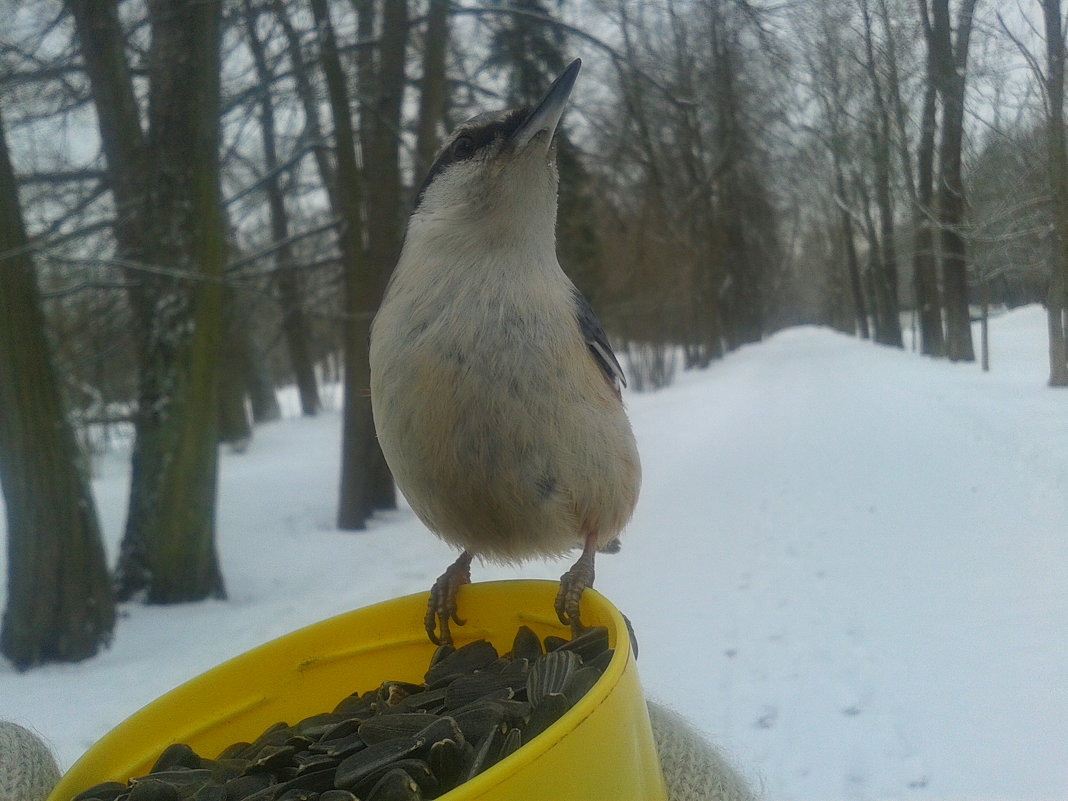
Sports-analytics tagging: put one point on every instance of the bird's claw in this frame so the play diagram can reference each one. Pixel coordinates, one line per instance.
(441, 607)
(572, 584)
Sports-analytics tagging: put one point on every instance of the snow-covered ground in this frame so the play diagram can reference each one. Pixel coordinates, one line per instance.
(849, 567)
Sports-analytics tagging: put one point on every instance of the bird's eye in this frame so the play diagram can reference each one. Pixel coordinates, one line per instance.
(463, 147)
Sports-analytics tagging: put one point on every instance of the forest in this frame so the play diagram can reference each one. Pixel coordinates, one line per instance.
(201, 202)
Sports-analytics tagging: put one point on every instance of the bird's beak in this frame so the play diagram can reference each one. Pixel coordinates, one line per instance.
(546, 115)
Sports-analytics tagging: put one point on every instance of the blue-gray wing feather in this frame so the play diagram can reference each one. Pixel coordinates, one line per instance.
(597, 342)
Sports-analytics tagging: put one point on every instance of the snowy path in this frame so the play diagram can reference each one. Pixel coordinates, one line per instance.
(849, 566)
(875, 550)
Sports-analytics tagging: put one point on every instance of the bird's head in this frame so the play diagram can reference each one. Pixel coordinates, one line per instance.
(499, 163)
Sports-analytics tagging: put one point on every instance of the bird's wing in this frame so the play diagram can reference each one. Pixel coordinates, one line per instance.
(597, 342)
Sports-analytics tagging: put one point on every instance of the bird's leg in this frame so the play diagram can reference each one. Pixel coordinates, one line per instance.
(442, 605)
(573, 583)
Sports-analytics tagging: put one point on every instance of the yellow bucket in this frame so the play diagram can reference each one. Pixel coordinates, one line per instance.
(602, 748)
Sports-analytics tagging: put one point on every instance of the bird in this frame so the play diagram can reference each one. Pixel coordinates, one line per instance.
(494, 390)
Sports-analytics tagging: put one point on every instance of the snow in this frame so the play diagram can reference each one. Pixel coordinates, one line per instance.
(848, 567)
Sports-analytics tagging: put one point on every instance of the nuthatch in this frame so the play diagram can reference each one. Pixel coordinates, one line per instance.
(494, 389)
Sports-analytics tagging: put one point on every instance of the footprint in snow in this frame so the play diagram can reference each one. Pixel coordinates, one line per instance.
(767, 720)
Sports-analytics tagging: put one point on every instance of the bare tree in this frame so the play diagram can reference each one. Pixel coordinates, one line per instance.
(925, 265)
(171, 232)
(358, 440)
(825, 55)
(884, 277)
(235, 423)
(294, 324)
(951, 62)
(60, 605)
(381, 94)
(1057, 304)
(686, 173)
(433, 94)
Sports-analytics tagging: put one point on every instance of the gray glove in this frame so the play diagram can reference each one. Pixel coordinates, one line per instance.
(693, 769)
(28, 770)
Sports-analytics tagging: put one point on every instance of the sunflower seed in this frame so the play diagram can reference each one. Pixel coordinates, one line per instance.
(580, 683)
(341, 747)
(271, 757)
(356, 706)
(552, 642)
(311, 763)
(107, 791)
(385, 727)
(446, 763)
(395, 785)
(393, 692)
(600, 663)
(178, 755)
(274, 735)
(245, 786)
(432, 701)
(486, 752)
(299, 795)
(417, 769)
(185, 779)
(589, 644)
(526, 645)
(363, 763)
(340, 730)
(466, 689)
(222, 770)
(152, 790)
(512, 740)
(210, 792)
(338, 795)
(551, 674)
(315, 726)
(546, 713)
(464, 660)
(234, 751)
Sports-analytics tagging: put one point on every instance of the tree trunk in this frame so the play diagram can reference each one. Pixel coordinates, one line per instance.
(1057, 304)
(235, 426)
(381, 99)
(358, 438)
(860, 308)
(294, 324)
(951, 65)
(834, 110)
(310, 101)
(925, 266)
(60, 605)
(888, 332)
(434, 92)
(102, 47)
(742, 296)
(168, 548)
(169, 217)
(878, 314)
(263, 400)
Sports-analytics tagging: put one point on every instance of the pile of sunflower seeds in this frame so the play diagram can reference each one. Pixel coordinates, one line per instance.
(399, 742)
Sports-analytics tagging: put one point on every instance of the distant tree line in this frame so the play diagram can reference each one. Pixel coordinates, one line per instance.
(201, 202)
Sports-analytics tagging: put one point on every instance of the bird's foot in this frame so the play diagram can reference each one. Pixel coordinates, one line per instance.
(441, 607)
(572, 584)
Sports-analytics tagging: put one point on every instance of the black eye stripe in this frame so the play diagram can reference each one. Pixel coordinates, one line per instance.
(481, 136)
(463, 147)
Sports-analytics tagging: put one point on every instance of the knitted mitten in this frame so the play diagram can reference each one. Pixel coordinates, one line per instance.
(693, 769)
(28, 770)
